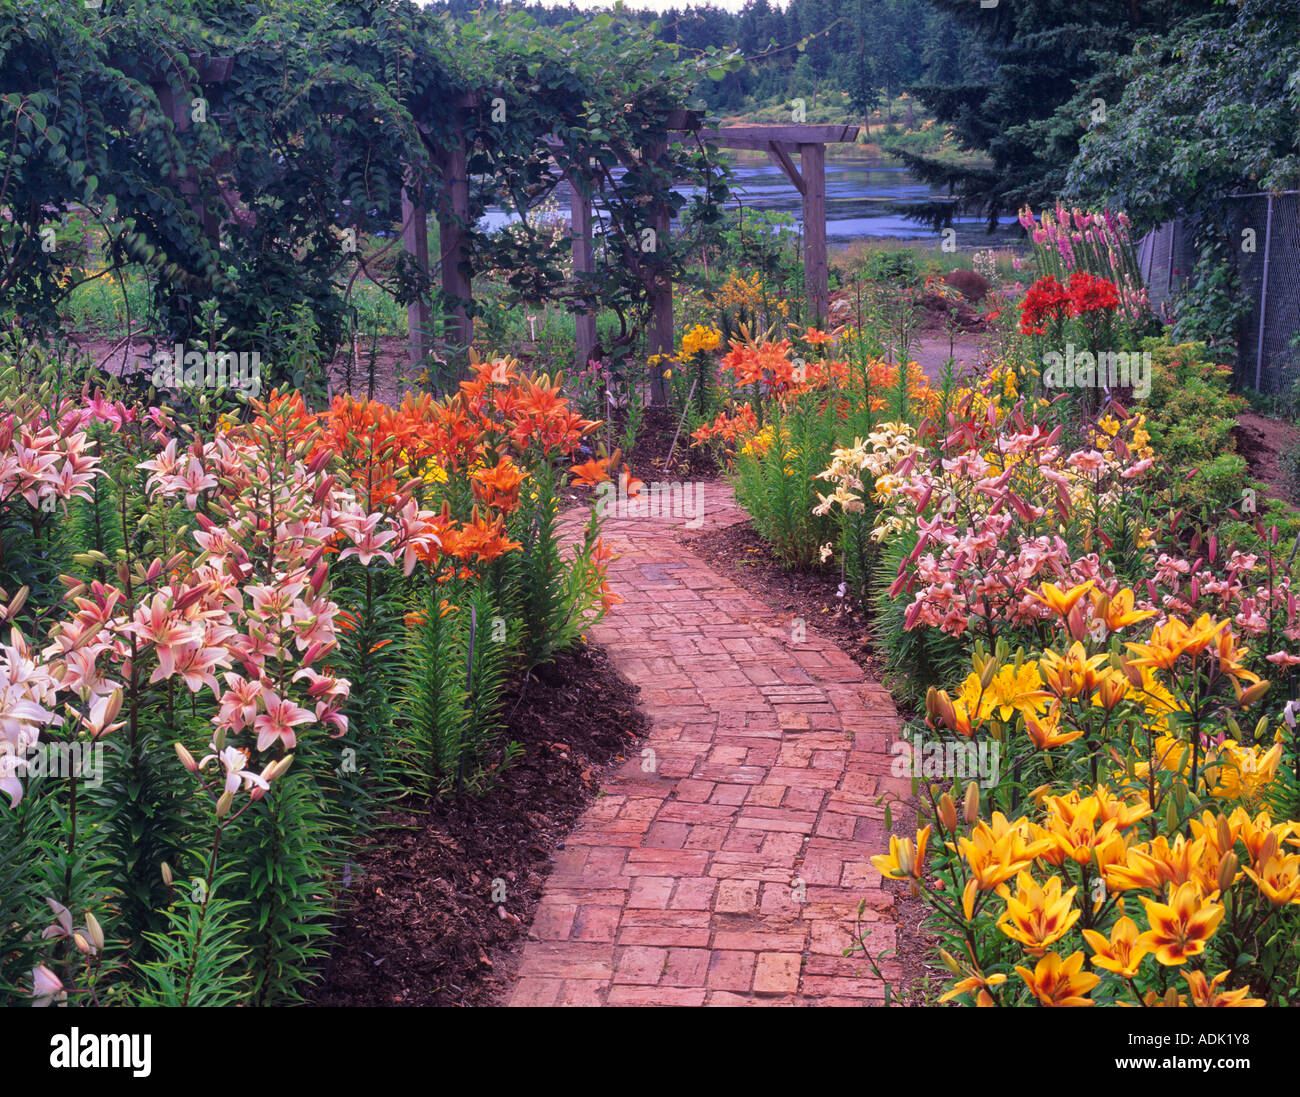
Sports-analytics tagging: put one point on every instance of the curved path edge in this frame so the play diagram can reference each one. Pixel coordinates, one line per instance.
(724, 865)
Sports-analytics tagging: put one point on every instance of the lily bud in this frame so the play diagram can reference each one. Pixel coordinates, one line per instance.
(988, 673)
(1266, 850)
(1252, 694)
(946, 712)
(19, 600)
(1111, 692)
(906, 857)
(219, 740)
(972, 804)
(223, 803)
(1076, 625)
(1224, 834)
(1133, 674)
(947, 813)
(82, 944)
(931, 706)
(949, 961)
(187, 759)
(96, 933)
(1227, 871)
(166, 874)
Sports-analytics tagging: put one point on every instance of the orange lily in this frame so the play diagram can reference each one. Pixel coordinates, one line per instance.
(1057, 982)
(1180, 928)
(1122, 953)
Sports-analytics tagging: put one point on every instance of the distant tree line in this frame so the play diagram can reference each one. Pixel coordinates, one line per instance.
(870, 49)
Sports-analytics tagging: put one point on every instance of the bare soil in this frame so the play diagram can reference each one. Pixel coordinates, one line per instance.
(1263, 441)
(420, 926)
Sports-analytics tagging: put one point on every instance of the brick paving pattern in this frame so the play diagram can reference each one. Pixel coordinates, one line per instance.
(725, 867)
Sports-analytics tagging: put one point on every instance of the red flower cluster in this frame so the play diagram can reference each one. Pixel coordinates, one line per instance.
(1091, 294)
(1048, 300)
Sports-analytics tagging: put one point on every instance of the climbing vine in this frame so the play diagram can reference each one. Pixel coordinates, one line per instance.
(252, 158)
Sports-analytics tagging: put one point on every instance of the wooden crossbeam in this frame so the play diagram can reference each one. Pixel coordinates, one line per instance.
(780, 155)
(758, 137)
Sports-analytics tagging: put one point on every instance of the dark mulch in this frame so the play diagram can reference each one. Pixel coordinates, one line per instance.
(421, 928)
(739, 553)
(648, 459)
(655, 439)
(1263, 442)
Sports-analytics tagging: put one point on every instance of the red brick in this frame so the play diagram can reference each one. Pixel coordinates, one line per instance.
(710, 879)
(731, 970)
(640, 965)
(777, 973)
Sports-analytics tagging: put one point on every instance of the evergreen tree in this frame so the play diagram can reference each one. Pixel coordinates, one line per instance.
(1050, 60)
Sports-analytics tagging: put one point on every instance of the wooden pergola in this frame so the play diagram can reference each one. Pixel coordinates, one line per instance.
(783, 143)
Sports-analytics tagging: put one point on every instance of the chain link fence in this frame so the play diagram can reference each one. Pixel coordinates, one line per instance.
(1266, 228)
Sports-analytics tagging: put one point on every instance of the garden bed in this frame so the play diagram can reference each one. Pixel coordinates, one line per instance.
(1264, 443)
(421, 928)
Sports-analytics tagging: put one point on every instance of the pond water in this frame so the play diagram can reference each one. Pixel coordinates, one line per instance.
(865, 197)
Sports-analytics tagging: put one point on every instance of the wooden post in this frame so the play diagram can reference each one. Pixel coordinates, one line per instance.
(812, 159)
(661, 286)
(177, 110)
(458, 328)
(583, 263)
(419, 315)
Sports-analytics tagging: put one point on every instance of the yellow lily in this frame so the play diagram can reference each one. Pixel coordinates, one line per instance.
(1180, 928)
(1057, 982)
(1038, 916)
(1122, 953)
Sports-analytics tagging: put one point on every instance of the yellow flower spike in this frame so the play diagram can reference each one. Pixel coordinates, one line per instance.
(1180, 928)
(1013, 690)
(1122, 953)
(1176, 638)
(1057, 982)
(1038, 917)
(1073, 674)
(1124, 814)
(986, 674)
(1040, 794)
(1247, 697)
(1076, 827)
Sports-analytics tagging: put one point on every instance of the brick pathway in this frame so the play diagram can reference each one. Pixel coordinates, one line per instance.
(726, 868)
